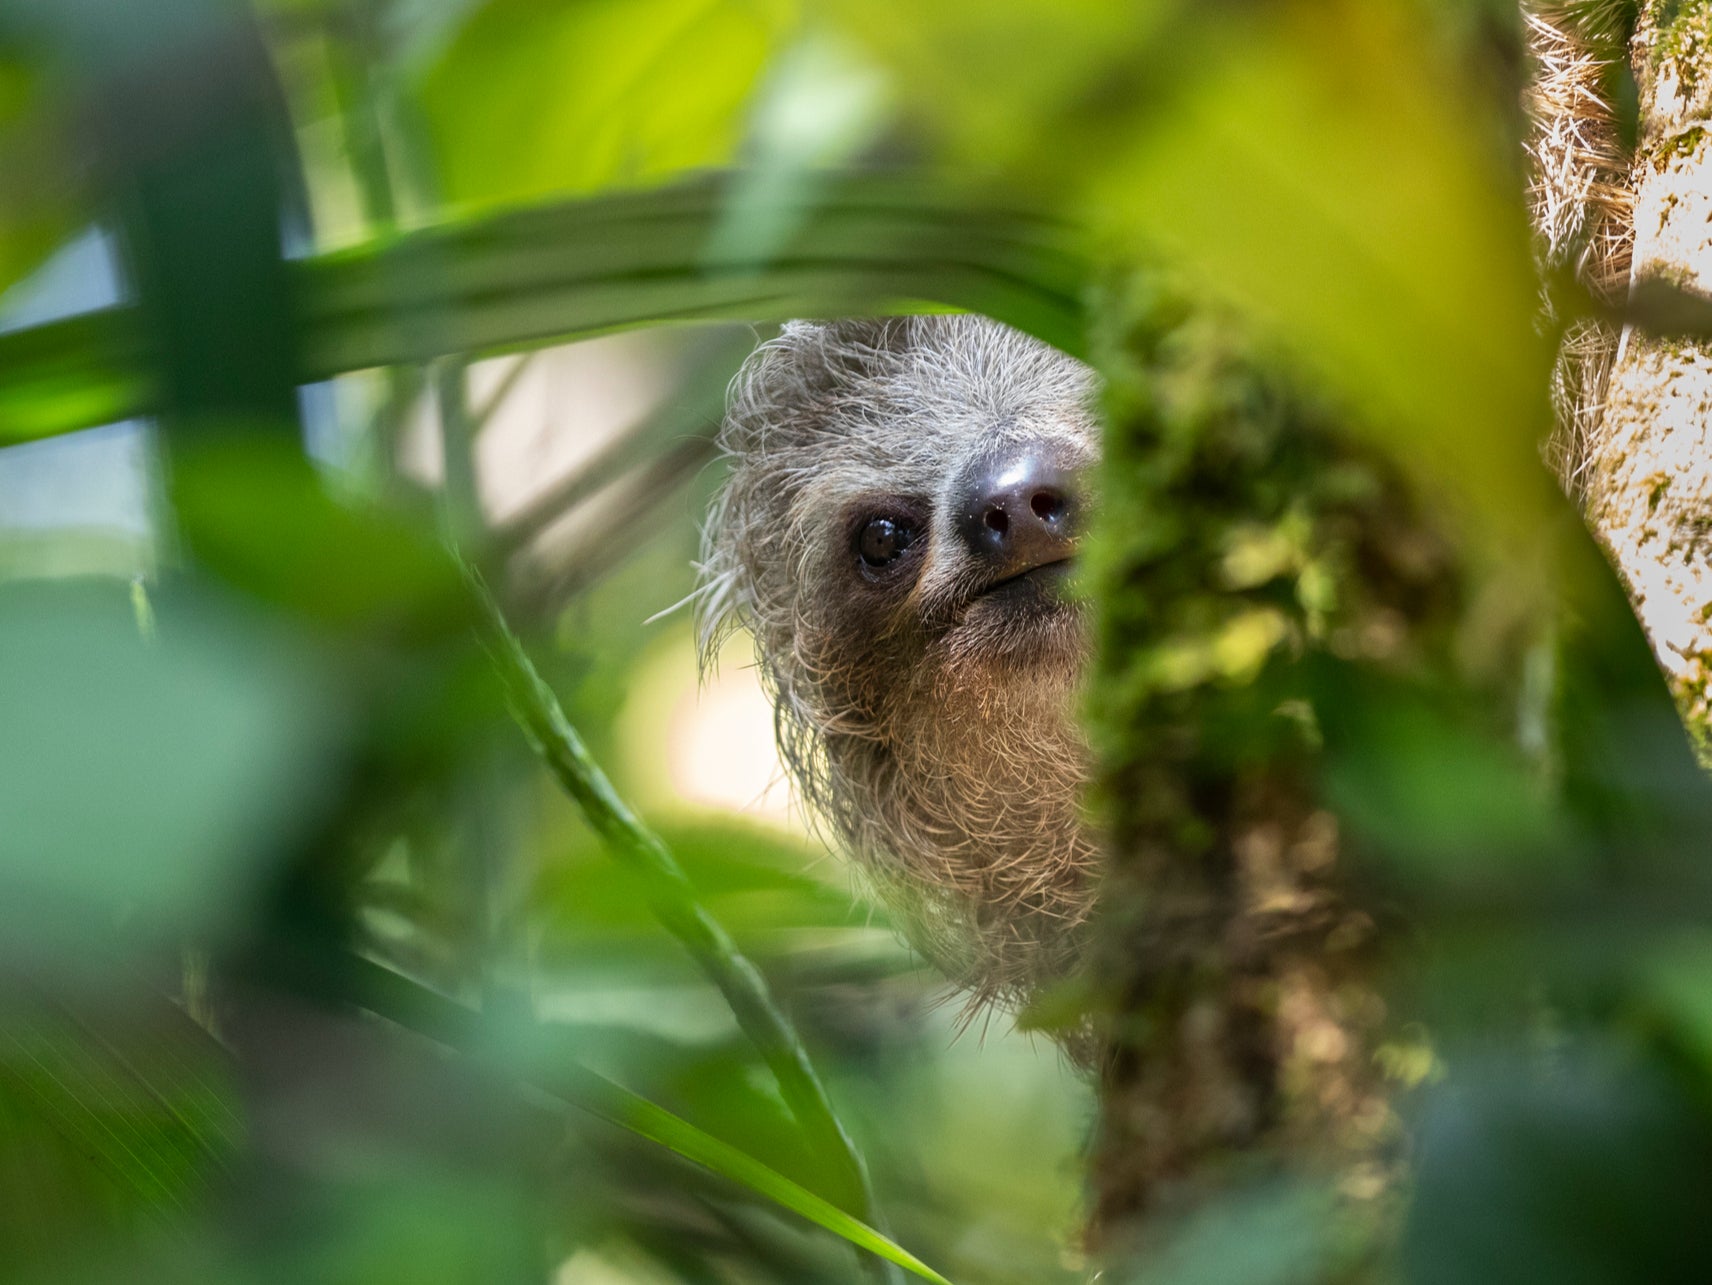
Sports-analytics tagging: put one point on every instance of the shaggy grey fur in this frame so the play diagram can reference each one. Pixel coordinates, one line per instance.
(931, 727)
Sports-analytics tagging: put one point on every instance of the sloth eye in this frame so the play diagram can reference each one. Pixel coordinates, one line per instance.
(882, 541)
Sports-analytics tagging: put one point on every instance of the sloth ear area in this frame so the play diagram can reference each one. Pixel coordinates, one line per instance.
(808, 364)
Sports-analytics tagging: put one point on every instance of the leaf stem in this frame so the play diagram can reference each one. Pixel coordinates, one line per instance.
(674, 902)
(553, 1069)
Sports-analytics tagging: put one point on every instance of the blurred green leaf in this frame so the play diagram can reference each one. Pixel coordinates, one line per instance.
(71, 374)
(749, 877)
(148, 782)
(113, 1116)
(1675, 976)
(1282, 1233)
(37, 207)
(1448, 804)
(416, 1227)
(1587, 1168)
(196, 172)
(529, 99)
(253, 510)
(552, 1067)
(821, 107)
(548, 275)
(991, 80)
(1324, 166)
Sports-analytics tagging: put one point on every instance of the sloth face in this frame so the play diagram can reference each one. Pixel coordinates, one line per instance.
(909, 486)
(898, 533)
(979, 563)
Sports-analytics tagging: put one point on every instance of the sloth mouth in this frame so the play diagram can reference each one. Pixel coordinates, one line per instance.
(1025, 622)
(1043, 582)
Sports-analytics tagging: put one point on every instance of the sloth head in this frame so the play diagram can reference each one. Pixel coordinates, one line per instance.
(897, 533)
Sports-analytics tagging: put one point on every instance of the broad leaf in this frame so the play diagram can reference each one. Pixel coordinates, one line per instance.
(1324, 166)
(253, 510)
(1579, 1170)
(530, 99)
(147, 783)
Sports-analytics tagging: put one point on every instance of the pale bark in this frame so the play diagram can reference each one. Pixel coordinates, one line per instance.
(1648, 470)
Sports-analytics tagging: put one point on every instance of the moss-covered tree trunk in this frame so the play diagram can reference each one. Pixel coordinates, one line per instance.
(1266, 586)
(1648, 465)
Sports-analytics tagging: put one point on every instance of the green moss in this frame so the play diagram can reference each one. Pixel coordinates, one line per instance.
(1656, 492)
(1246, 549)
(1237, 537)
(1307, 712)
(1683, 33)
(1683, 144)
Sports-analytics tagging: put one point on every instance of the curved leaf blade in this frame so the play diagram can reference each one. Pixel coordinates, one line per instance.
(552, 274)
(600, 1097)
(552, 1069)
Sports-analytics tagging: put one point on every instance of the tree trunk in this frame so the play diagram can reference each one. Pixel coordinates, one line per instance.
(1257, 568)
(1648, 466)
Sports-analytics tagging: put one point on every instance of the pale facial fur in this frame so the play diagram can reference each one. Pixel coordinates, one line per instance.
(925, 716)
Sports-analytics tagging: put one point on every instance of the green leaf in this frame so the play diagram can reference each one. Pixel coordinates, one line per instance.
(991, 81)
(750, 877)
(112, 1114)
(1326, 167)
(253, 510)
(1446, 803)
(36, 206)
(1282, 1232)
(149, 781)
(530, 100)
(550, 1065)
(610, 1102)
(1582, 1169)
(195, 182)
(77, 373)
(557, 273)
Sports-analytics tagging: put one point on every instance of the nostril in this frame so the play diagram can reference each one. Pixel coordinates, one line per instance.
(1016, 511)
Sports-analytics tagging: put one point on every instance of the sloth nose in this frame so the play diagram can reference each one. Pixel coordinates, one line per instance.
(1016, 512)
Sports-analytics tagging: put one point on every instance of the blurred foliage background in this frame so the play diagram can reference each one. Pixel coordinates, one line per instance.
(359, 364)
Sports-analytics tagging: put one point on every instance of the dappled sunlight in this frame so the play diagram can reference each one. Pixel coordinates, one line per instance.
(712, 733)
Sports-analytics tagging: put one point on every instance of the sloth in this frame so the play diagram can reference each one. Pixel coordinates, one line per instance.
(899, 533)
